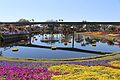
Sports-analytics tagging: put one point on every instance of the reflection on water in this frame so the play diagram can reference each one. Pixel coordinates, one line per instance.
(59, 40)
(81, 42)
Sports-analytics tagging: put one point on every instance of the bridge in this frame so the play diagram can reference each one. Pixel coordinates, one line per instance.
(67, 23)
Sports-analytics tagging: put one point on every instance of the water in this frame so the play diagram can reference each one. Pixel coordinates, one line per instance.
(59, 40)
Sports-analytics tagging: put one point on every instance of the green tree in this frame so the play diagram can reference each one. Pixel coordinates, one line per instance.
(23, 20)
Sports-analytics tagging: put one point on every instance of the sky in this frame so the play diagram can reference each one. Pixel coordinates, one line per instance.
(68, 10)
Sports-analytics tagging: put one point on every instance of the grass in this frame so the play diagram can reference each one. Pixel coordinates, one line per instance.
(100, 57)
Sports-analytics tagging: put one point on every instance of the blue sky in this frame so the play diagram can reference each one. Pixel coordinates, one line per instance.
(68, 10)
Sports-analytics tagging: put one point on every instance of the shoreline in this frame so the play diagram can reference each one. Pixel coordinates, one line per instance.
(99, 57)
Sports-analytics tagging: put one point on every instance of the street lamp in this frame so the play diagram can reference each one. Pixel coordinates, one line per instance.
(72, 27)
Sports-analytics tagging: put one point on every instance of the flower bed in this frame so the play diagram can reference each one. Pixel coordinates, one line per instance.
(115, 63)
(78, 72)
(72, 70)
(114, 35)
(17, 73)
(96, 33)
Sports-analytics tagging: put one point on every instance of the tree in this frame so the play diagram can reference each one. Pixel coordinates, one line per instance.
(22, 27)
(61, 20)
(23, 20)
(33, 20)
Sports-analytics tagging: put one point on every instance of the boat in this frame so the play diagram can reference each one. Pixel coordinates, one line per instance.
(15, 49)
(93, 44)
(53, 47)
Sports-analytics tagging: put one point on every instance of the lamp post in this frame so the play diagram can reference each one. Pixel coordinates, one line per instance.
(72, 27)
(30, 33)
